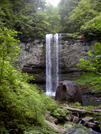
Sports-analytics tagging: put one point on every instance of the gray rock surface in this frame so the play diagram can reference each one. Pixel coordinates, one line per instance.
(70, 55)
(32, 54)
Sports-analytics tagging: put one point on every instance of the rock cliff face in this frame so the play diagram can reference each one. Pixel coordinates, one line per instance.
(71, 52)
(31, 58)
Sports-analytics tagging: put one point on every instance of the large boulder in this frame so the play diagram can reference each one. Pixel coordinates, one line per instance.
(68, 91)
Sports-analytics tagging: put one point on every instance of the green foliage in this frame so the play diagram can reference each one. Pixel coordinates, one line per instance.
(77, 104)
(91, 80)
(2, 14)
(8, 50)
(29, 18)
(41, 130)
(50, 104)
(75, 13)
(81, 14)
(20, 102)
(92, 27)
(35, 18)
(96, 57)
(7, 16)
(30, 21)
(99, 106)
(86, 78)
(74, 35)
(65, 7)
(53, 19)
(58, 113)
(96, 116)
(88, 109)
(26, 17)
(95, 63)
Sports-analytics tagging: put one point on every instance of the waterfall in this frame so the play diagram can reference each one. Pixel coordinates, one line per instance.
(48, 64)
(52, 63)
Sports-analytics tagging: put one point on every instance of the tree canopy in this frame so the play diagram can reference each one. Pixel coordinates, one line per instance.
(76, 13)
(29, 17)
(36, 18)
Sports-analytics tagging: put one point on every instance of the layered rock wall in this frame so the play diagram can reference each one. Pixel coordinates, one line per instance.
(31, 55)
(31, 58)
(70, 53)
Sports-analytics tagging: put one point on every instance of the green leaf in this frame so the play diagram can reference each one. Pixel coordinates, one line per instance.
(90, 53)
(93, 24)
(81, 60)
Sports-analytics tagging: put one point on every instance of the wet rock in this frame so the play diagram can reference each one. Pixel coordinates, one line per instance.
(87, 119)
(76, 119)
(79, 129)
(89, 122)
(68, 91)
(56, 121)
(50, 118)
(92, 125)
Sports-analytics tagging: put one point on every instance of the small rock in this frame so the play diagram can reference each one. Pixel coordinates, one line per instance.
(50, 118)
(87, 119)
(92, 125)
(56, 121)
(76, 119)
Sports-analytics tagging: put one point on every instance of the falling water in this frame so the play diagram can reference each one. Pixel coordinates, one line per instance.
(52, 63)
(48, 64)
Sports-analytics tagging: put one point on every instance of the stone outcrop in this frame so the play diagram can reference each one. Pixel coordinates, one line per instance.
(78, 115)
(32, 54)
(31, 58)
(89, 122)
(71, 52)
(68, 91)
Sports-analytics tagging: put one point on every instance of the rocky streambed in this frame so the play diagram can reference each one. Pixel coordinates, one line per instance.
(78, 120)
(85, 118)
(90, 97)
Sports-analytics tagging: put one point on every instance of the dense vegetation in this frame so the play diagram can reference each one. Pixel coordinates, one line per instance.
(21, 104)
(29, 17)
(75, 13)
(36, 18)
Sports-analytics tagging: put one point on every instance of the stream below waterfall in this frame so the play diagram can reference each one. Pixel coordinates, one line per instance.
(78, 130)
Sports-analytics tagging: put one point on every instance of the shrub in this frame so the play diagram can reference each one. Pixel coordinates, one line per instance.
(20, 102)
(60, 112)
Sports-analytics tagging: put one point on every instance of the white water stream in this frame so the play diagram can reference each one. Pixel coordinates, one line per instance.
(52, 63)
